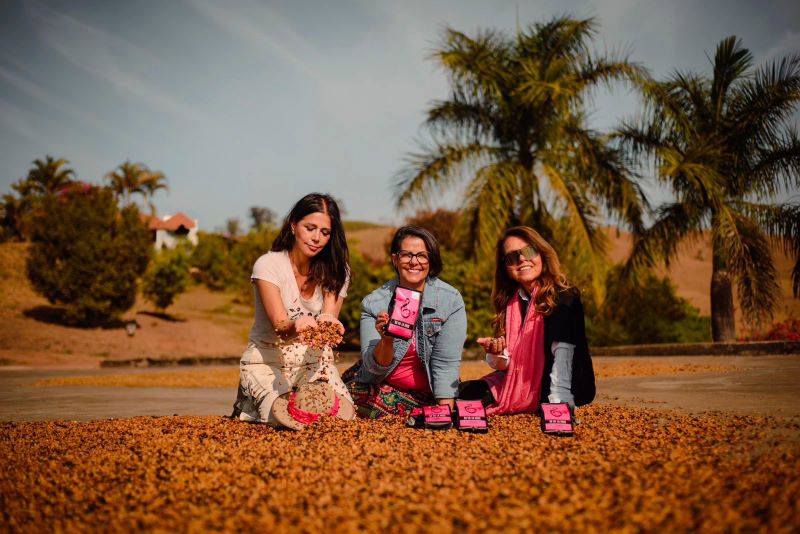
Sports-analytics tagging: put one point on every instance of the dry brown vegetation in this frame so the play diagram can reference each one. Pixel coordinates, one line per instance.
(626, 469)
(201, 323)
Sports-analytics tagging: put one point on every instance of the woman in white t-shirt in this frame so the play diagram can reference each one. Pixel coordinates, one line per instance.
(301, 282)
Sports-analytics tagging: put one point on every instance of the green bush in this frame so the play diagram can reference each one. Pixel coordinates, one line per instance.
(212, 258)
(226, 263)
(166, 278)
(365, 278)
(474, 281)
(649, 312)
(87, 254)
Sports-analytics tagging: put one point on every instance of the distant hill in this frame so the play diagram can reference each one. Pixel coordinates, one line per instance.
(691, 273)
(371, 241)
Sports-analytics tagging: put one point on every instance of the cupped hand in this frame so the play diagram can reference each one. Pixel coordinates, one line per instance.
(492, 345)
(328, 318)
(303, 322)
(381, 321)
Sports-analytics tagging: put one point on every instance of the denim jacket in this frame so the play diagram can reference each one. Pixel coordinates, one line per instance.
(441, 331)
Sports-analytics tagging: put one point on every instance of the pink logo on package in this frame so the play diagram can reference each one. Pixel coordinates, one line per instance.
(471, 416)
(557, 419)
(437, 417)
(403, 311)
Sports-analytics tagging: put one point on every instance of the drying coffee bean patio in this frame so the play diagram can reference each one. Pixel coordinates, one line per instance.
(626, 469)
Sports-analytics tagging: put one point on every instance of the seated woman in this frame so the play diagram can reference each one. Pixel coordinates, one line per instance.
(303, 280)
(540, 353)
(396, 375)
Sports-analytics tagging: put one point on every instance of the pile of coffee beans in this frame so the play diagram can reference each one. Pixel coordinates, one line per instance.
(625, 469)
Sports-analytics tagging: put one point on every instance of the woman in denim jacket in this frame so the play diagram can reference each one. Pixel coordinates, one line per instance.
(395, 375)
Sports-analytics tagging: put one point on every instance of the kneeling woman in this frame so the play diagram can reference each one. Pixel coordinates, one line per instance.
(540, 353)
(396, 375)
(301, 282)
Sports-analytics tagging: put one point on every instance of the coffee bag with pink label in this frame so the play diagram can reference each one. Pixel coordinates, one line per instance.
(557, 419)
(437, 417)
(471, 416)
(403, 311)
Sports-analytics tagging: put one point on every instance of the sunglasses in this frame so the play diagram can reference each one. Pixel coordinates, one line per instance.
(516, 257)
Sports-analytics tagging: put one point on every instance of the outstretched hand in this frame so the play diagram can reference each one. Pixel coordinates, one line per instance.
(492, 345)
(329, 318)
(303, 322)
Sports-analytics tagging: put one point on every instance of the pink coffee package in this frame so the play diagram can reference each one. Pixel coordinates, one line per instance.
(557, 419)
(471, 416)
(403, 311)
(437, 417)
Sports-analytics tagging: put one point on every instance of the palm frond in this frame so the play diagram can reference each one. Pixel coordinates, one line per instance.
(674, 223)
(436, 169)
(763, 104)
(478, 64)
(773, 166)
(781, 222)
(583, 228)
(731, 62)
(748, 258)
(460, 114)
(609, 174)
(491, 201)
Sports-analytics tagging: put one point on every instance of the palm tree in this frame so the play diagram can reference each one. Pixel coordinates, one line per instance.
(45, 178)
(126, 180)
(151, 182)
(515, 123)
(724, 146)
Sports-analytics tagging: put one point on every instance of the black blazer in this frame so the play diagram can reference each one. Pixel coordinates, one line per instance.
(566, 324)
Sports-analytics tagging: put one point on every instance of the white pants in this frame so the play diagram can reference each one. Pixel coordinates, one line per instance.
(265, 373)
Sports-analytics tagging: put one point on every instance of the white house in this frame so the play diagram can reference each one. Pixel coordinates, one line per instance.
(170, 230)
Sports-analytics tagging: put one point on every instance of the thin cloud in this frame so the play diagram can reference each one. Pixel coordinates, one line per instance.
(35, 91)
(19, 121)
(241, 24)
(102, 54)
(788, 44)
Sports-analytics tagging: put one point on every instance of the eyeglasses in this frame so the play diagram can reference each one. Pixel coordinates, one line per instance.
(515, 257)
(405, 257)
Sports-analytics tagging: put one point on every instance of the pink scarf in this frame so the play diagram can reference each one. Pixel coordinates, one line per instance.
(517, 389)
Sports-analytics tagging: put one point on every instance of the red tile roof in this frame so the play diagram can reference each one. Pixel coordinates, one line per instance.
(171, 224)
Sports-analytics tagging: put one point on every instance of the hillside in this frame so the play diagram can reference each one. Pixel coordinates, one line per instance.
(202, 323)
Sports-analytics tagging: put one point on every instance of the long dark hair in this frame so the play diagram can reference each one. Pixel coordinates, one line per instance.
(550, 282)
(431, 243)
(330, 268)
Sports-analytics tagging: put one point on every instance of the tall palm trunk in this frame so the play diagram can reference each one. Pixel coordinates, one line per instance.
(723, 325)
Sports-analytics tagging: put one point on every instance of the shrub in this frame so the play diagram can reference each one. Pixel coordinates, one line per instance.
(167, 277)
(226, 263)
(211, 256)
(87, 254)
(650, 312)
(788, 330)
(365, 278)
(473, 279)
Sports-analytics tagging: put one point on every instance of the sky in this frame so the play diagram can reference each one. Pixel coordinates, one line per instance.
(245, 103)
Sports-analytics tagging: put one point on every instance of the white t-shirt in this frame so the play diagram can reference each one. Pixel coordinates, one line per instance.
(276, 268)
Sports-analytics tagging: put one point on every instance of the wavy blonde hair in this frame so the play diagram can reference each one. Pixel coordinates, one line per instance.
(550, 282)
